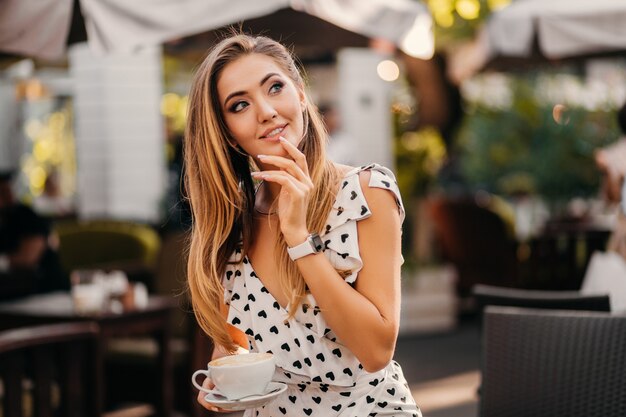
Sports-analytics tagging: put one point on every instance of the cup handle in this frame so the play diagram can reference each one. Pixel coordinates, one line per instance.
(204, 372)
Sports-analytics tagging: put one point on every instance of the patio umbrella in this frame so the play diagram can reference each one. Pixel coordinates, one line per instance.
(562, 28)
(35, 28)
(529, 31)
(39, 28)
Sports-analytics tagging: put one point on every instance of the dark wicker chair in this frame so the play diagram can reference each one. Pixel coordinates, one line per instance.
(55, 358)
(475, 240)
(486, 295)
(553, 363)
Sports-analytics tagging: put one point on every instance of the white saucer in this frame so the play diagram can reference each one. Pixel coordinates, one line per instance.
(273, 390)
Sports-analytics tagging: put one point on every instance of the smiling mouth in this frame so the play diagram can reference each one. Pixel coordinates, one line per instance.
(274, 133)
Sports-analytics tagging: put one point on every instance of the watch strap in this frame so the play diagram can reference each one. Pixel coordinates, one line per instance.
(313, 244)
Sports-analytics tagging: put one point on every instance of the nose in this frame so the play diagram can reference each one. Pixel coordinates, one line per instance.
(266, 111)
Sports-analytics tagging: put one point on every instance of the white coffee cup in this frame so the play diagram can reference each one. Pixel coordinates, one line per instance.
(88, 292)
(238, 376)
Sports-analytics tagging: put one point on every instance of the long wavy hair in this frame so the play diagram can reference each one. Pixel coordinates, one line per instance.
(220, 188)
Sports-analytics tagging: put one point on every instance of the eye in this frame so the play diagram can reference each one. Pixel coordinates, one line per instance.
(276, 87)
(238, 106)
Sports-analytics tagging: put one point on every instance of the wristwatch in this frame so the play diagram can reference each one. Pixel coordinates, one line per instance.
(312, 244)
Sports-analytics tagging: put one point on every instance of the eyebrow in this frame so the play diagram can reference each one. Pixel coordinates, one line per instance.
(240, 93)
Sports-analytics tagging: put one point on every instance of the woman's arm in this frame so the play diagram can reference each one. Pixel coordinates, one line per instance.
(365, 318)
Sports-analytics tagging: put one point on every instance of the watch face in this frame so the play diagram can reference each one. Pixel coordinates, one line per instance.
(316, 242)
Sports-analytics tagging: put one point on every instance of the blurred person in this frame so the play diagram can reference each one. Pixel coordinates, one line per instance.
(611, 161)
(291, 253)
(26, 243)
(52, 203)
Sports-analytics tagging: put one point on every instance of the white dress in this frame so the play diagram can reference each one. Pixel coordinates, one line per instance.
(324, 378)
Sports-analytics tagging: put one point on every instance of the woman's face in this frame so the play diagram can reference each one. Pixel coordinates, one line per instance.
(260, 103)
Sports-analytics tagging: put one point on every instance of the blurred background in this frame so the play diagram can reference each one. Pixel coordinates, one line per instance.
(492, 114)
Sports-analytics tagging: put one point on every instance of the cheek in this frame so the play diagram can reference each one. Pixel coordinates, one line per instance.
(298, 116)
(238, 128)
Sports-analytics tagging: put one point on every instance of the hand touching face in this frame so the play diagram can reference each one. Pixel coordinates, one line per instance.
(260, 103)
(292, 174)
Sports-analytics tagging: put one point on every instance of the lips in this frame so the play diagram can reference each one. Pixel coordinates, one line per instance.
(273, 132)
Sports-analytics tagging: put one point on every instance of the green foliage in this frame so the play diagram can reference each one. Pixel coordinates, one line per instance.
(418, 154)
(459, 20)
(534, 148)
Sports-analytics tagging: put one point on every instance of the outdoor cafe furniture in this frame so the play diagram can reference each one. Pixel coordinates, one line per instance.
(475, 240)
(479, 243)
(55, 358)
(558, 257)
(109, 245)
(488, 295)
(153, 321)
(553, 363)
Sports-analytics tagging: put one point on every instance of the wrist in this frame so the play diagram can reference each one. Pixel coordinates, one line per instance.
(312, 245)
(296, 238)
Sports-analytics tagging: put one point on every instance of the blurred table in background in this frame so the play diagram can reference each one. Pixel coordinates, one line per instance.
(152, 321)
(477, 241)
(557, 258)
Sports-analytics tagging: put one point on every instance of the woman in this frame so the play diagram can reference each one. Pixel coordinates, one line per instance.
(299, 256)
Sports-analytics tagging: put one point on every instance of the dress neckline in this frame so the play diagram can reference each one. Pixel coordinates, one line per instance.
(257, 276)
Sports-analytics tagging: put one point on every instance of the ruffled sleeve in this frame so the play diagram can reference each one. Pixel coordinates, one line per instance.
(340, 237)
(382, 177)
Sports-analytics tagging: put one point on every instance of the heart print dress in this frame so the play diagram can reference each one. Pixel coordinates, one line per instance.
(323, 377)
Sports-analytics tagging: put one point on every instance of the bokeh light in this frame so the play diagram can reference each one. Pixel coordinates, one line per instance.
(497, 4)
(468, 9)
(559, 113)
(444, 19)
(169, 104)
(37, 179)
(419, 42)
(388, 70)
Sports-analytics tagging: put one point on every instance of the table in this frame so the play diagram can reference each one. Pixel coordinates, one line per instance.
(152, 321)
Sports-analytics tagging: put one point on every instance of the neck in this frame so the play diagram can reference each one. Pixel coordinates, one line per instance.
(271, 191)
(266, 195)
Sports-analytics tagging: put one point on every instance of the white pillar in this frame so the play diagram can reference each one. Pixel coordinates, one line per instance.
(10, 136)
(119, 133)
(365, 107)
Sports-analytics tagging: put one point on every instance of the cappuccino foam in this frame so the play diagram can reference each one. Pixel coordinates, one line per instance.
(242, 359)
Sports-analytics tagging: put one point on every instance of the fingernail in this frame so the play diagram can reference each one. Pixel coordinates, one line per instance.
(282, 139)
(261, 156)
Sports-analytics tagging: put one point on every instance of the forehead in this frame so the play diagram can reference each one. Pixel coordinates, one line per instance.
(245, 73)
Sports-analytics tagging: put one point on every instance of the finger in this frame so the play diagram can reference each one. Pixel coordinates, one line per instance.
(204, 403)
(288, 165)
(286, 181)
(263, 175)
(207, 384)
(295, 153)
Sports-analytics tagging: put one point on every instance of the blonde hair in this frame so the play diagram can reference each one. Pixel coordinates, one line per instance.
(221, 191)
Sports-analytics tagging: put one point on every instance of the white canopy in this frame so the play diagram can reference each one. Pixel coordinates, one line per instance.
(36, 28)
(563, 27)
(39, 28)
